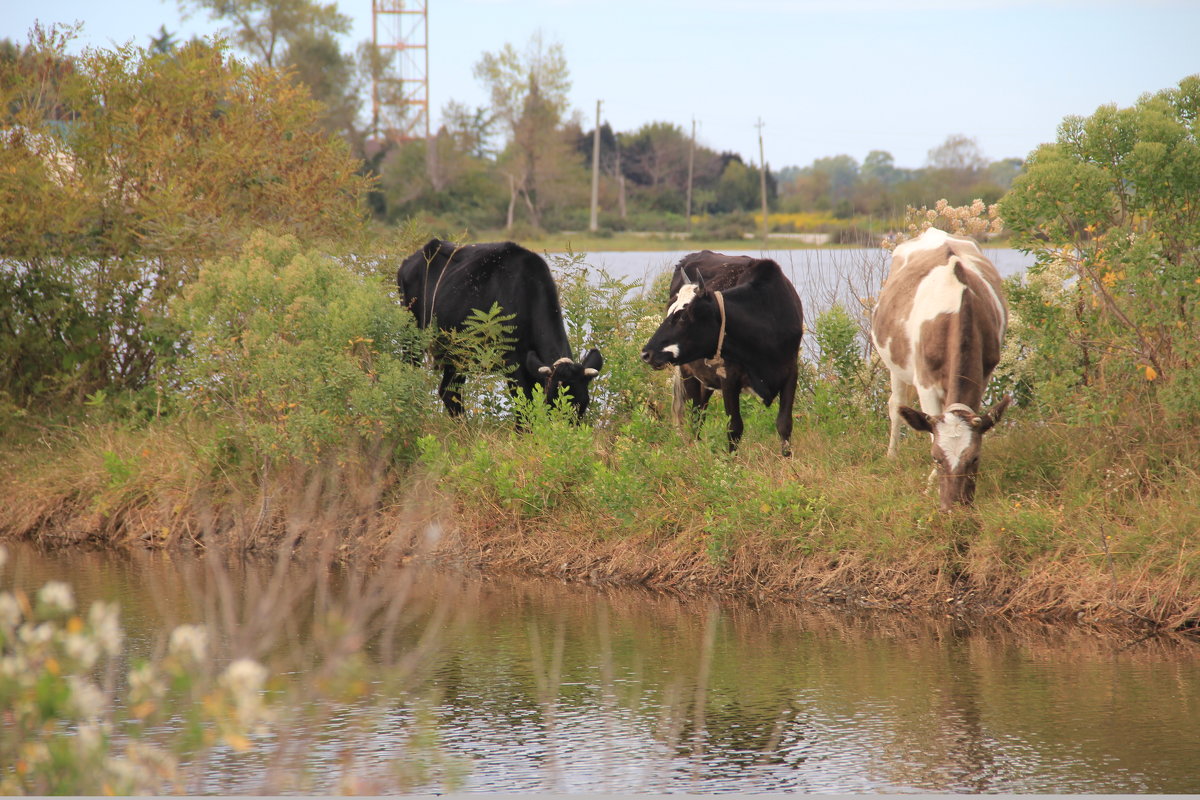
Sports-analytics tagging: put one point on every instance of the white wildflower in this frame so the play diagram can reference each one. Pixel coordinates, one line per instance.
(106, 626)
(34, 635)
(144, 770)
(244, 675)
(90, 738)
(189, 642)
(145, 683)
(82, 648)
(244, 679)
(14, 667)
(57, 595)
(86, 697)
(10, 612)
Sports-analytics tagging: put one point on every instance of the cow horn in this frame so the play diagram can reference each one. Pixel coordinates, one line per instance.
(544, 370)
(590, 373)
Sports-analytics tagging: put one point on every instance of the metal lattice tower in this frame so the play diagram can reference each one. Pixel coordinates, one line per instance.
(400, 99)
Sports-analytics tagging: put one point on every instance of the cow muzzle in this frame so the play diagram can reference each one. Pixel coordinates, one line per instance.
(657, 358)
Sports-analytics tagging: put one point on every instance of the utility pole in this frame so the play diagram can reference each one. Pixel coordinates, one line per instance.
(691, 165)
(595, 221)
(762, 180)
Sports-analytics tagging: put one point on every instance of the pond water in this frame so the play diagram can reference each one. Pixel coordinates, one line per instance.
(540, 686)
(818, 273)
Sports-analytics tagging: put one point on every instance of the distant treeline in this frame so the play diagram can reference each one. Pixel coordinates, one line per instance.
(523, 159)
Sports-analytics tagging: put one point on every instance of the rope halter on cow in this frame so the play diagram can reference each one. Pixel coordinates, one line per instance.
(716, 362)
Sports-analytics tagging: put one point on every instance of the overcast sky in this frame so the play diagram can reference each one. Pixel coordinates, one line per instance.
(826, 76)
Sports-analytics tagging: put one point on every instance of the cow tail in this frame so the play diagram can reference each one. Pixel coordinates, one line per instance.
(678, 399)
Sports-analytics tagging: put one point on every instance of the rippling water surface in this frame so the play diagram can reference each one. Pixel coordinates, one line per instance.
(537, 686)
(814, 271)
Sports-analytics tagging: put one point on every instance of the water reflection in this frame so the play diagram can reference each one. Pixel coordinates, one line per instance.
(539, 686)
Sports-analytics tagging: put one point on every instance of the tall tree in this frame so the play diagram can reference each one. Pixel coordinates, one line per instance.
(956, 165)
(122, 172)
(529, 94)
(657, 154)
(1114, 203)
(265, 28)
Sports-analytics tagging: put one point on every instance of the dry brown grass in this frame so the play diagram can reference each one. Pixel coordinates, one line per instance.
(363, 511)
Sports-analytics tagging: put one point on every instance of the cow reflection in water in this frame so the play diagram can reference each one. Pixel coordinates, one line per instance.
(732, 323)
(444, 283)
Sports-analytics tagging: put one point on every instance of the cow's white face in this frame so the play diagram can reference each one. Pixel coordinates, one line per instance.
(689, 330)
(687, 293)
(955, 434)
(957, 440)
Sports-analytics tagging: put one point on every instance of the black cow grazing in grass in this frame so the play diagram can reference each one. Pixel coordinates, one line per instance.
(444, 283)
(732, 323)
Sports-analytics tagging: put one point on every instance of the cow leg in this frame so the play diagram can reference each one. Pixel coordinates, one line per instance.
(731, 394)
(450, 390)
(895, 400)
(689, 401)
(783, 420)
(931, 403)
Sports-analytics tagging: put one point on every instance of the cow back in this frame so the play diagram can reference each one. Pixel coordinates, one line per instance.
(941, 314)
(775, 327)
(447, 282)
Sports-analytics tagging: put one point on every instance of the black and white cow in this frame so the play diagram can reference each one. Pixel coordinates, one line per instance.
(444, 283)
(732, 323)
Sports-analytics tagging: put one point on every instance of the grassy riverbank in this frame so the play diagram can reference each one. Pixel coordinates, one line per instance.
(1088, 525)
(313, 416)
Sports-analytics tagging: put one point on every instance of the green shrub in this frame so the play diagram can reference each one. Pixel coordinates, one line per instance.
(1109, 212)
(602, 311)
(120, 172)
(299, 356)
(529, 472)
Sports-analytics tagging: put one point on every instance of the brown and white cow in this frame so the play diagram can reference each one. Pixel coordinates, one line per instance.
(939, 327)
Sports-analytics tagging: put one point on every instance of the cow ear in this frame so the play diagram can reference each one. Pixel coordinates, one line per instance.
(592, 362)
(993, 414)
(431, 247)
(917, 420)
(535, 365)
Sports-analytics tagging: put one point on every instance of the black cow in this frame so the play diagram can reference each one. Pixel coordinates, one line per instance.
(733, 323)
(444, 283)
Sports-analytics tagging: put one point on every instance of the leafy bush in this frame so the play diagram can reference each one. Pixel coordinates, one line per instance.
(1113, 302)
(837, 336)
(299, 355)
(120, 172)
(479, 350)
(602, 311)
(529, 473)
